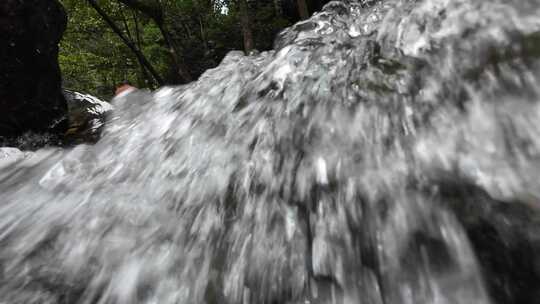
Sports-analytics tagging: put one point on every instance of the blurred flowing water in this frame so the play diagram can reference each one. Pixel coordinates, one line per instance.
(386, 152)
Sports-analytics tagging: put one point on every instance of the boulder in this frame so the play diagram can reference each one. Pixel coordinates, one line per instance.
(86, 115)
(30, 82)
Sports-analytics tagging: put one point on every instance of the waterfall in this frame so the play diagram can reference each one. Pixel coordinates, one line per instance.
(385, 152)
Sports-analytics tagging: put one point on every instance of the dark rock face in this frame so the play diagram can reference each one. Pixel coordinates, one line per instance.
(30, 83)
(86, 116)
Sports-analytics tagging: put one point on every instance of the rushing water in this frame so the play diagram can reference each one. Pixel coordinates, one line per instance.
(386, 152)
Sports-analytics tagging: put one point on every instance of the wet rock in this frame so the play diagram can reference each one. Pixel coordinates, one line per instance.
(87, 116)
(30, 83)
(505, 237)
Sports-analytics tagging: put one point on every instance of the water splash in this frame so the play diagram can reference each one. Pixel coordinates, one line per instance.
(378, 155)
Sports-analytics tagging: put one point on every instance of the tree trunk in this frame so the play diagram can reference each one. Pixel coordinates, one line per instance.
(203, 34)
(140, 56)
(181, 69)
(302, 9)
(147, 79)
(246, 26)
(277, 7)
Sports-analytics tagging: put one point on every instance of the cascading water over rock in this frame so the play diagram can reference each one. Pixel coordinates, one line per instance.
(384, 152)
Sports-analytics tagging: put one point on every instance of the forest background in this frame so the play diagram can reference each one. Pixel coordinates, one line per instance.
(151, 43)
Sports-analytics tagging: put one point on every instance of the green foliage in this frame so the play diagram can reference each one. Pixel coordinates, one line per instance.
(94, 59)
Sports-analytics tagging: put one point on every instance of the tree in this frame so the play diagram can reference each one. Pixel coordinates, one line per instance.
(143, 41)
(94, 59)
(130, 43)
(302, 9)
(246, 25)
(154, 10)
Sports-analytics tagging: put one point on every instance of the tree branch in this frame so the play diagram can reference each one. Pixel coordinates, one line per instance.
(140, 56)
(151, 8)
(155, 12)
